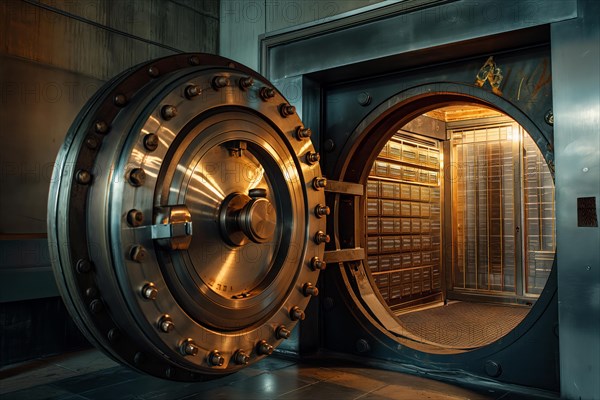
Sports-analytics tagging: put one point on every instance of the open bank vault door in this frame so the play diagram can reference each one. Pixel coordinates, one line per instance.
(185, 218)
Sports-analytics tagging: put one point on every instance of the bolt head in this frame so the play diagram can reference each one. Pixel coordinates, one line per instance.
(153, 71)
(83, 177)
(166, 324)
(310, 290)
(266, 93)
(329, 145)
(91, 292)
(194, 60)
(322, 211)
(303, 133)
(286, 110)
(101, 127)
(319, 183)
(241, 358)
(492, 368)
(246, 82)
(83, 266)
(264, 348)
(138, 253)
(192, 91)
(149, 291)
(216, 359)
(364, 99)
(317, 264)
(137, 177)
(114, 335)
(96, 306)
(189, 348)
(135, 217)
(168, 112)
(92, 143)
(296, 314)
(282, 332)
(362, 346)
(120, 100)
(549, 117)
(219, 82)
(312, 158)
(321, 237)
(151, 142)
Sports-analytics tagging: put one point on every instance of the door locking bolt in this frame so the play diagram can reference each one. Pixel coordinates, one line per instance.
(137, 177)
(192, 91)
(168, 112)
(188, 348)
(215, 358)
(316, 264)
(308, 289)
(319, 183)
(322, 211)
(266, 93)
(246, 82)
(241, 358)
(296, 314)
(312, 158)
(282, 332)
(321, 237)
(286, 110)
(135, 217)
(138, 253)
(149, 291)
(151, 142)
(219, 82)
(263, 348)
(166, 324)
(303, 133)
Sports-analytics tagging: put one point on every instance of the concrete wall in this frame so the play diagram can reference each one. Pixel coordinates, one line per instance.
(243, 21)
(54, 55)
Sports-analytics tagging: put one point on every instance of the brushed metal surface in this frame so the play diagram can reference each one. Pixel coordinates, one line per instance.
(576, 95)
(286, 56)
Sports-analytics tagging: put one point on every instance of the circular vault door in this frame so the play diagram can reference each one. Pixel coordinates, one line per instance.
(185, 218)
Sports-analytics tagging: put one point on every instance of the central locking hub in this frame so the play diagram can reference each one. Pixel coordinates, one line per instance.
(244, 218)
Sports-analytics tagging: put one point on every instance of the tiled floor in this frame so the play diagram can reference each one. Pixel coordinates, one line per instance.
(91, 375)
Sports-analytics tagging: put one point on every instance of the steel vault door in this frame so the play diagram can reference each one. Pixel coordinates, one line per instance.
(185, 218)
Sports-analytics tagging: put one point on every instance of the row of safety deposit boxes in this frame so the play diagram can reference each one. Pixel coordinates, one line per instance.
(410, 153)
(402, 208)
(395, 171)
(388, 262)
(402, 191)
(405, 243)
(402, 226)
(395, 285)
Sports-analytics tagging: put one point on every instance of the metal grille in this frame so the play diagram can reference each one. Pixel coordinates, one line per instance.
(484, 209)
(403, 219)
(540, 243)
(501, 179)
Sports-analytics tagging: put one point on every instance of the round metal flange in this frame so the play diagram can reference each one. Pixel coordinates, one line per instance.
(182, 239)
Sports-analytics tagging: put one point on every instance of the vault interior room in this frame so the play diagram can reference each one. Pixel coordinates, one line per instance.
(298, 199)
